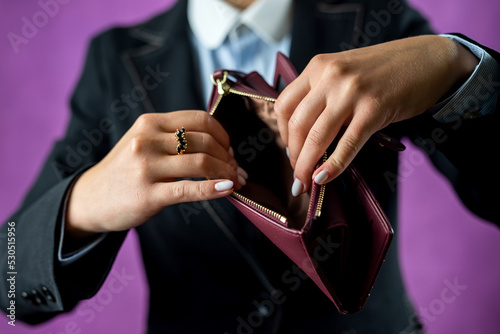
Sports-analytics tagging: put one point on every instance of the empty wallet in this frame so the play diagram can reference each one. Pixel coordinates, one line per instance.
(343, 213)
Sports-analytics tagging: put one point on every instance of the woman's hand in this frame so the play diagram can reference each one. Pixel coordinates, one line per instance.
(364, 90)
(139, 176)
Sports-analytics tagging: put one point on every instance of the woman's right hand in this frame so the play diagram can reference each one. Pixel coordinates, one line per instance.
(139, 176)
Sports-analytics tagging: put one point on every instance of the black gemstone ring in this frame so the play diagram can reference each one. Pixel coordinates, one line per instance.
(181, 141)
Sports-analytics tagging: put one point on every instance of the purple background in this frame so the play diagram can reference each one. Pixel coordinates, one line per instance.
(440, 242)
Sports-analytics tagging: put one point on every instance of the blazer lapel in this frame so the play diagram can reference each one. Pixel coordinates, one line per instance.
(166, 55)
(324, 27)
(165, 50)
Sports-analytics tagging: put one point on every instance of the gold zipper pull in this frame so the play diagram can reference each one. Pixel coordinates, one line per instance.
(222, 86)
(322, 189)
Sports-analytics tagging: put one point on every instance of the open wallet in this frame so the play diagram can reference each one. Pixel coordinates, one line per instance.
(343, 213)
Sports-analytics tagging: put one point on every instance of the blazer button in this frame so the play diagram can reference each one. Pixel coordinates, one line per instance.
(263, 308)
(36, 297)
(48, 295)
(25, 295)
(29, 297)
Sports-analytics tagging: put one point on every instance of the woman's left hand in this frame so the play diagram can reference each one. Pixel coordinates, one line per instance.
(363, 90)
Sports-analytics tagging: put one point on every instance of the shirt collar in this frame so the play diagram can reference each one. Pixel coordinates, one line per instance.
(212, 20)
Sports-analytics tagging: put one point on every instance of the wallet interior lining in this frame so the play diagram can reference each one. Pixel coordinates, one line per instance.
(252, 127)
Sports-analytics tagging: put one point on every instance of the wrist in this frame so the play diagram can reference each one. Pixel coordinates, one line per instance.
(464, 62)
(459, 64)
(77, 223)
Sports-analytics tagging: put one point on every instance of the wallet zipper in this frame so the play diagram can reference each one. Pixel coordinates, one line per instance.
(321, 195)
(259, 207)
(224, 89)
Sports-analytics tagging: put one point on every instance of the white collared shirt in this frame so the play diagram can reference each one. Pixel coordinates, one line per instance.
(226, 37)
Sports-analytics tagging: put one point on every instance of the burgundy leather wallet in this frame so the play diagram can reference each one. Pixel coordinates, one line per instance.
(337, 233)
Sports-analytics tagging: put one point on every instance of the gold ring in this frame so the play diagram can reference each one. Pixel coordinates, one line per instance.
(181, 141)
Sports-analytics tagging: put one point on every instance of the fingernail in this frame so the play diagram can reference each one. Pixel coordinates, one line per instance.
(321, 177)
(297, 188)
(224, 185)
(242, 172)
(231, 151)
(287, 152)
(241, 180)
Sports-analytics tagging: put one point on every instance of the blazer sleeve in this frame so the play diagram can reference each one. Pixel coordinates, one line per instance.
(463, 148)
(44, 286)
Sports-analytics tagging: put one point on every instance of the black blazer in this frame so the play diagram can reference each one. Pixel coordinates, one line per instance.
(209, 269)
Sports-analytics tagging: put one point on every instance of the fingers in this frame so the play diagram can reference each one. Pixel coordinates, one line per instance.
(207, 154)
(329, 94)
(287, 102)
(350, 143)
(196, 165)
(193, 121)
(168, 193)
(300, 123)
(197, 142)
(319, 138)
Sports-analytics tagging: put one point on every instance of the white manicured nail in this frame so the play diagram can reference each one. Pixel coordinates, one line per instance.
(224, 185)
(287, 152)
(297, 188)
(242, 172)
(321, 177)
(241, 180)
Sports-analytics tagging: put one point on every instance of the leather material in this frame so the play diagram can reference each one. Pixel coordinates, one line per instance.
(341, 248)
(284, 70)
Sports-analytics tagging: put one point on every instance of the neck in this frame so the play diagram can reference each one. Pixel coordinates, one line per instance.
(240, 4)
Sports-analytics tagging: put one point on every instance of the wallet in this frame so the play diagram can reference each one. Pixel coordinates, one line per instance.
(337, 233)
